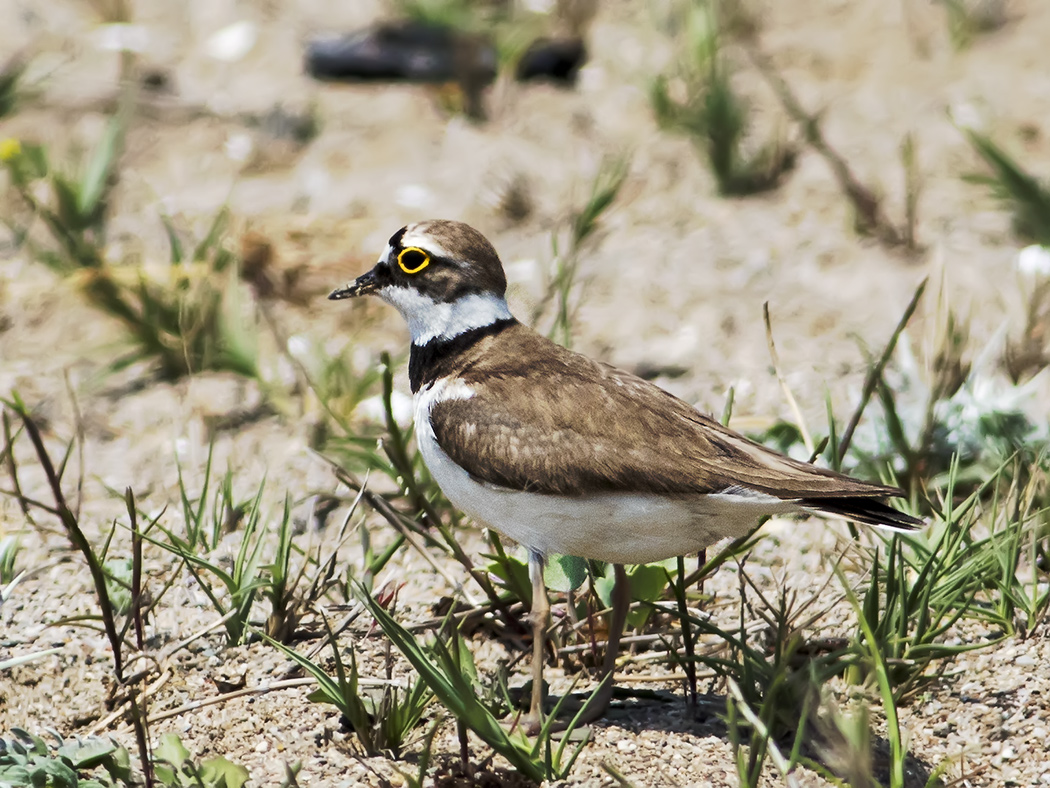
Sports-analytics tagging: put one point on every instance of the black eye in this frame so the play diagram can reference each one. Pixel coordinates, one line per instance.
(413, 260)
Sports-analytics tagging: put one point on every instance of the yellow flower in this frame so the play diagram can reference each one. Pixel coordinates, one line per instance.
(10, 148)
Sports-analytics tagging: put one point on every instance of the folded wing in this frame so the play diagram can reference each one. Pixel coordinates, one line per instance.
(599, 429)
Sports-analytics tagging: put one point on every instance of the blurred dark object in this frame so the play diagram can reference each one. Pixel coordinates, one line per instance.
(556, 60)
(282, 123)
(11, 74)
(156, 80)
(408, 52)
(427, 53)
(402, 51)
(514, 199)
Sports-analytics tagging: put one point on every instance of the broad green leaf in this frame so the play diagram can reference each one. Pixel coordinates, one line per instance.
(171, 750)
(648, 582)
(221, 773)
(89, 753)
(96, 178)
(565, 573)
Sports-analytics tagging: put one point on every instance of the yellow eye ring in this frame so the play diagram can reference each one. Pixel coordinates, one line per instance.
(414, 254)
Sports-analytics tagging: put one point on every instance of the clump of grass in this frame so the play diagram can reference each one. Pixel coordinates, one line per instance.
(922, 585)
(447, 668)
(12, 88)
(699, 100)
(242, 582)
(958, 411)
(869, 217)
(383, 721)
(185, 321)
(977, 562)
(969, 19)
(954, 404)
(1027, 197)
(779, 680)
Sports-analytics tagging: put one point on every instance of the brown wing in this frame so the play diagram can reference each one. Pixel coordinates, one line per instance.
(596, 428)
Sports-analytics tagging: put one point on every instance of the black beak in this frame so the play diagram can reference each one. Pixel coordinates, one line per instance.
(363, 285)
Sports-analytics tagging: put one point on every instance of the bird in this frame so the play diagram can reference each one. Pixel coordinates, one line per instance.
(568, 455)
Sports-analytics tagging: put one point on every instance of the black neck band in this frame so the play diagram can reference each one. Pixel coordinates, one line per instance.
(425, 360)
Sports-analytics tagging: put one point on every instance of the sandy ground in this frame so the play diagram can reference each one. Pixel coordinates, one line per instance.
(678, 279)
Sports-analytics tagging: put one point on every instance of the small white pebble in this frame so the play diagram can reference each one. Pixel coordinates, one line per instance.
(626, 745)
(1025, 660)
(372, 409)
(966, 116)
(591, 79)
(299, 346)
(232, 42)
(182, 448)
(412, 195)
(239, 146)
(286, 373)
(525, 270)
(121, 37)
(262, 746)
(1034, 260)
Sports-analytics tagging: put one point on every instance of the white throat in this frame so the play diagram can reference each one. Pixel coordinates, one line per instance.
(429, 319)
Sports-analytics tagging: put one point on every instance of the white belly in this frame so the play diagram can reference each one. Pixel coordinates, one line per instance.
(623, 528)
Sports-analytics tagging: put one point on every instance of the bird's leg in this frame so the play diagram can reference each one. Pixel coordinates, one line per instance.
(538, 618)
(598, 703)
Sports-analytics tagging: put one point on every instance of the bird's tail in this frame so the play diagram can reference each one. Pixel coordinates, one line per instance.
(863, 510)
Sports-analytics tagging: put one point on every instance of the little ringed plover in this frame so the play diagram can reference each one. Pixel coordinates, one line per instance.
(568, 455)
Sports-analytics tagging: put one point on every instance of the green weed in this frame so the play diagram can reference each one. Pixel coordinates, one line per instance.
(1027, 197)
(382, 723)
(584, 223)
(12, 90)
(10, 546)
(185, 320)
(244, 580)
(920, 589)
(447, 667)
(291, 581)
(953, 405)
(968, 20)
(68, 516)
(699, 100)
(175, 767)
(27, 761)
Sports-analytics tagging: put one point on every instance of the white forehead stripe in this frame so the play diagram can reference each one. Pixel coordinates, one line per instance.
(429, 319)
(415, 237)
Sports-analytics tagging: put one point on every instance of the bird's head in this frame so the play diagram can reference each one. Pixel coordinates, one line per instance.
(443, 277)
